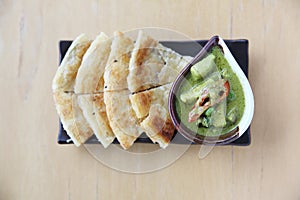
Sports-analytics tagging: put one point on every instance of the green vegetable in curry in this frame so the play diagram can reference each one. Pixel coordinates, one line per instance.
(211, 99)
(200, 70)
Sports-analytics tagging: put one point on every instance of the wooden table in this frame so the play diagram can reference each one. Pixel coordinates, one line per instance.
(34, 166)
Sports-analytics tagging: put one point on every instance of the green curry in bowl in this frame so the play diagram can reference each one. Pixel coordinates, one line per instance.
(210, 100)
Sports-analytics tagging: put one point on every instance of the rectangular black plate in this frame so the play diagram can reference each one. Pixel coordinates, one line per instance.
(238, 48)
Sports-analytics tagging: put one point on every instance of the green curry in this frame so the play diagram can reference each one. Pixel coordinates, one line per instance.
(211, 101)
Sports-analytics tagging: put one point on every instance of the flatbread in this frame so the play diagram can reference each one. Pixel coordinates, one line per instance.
(153, 64)
(94, 111)
(124, 98)
(158, 125)
(120, 114)
(67, 107)
(145, 64)
(71, 117)
(90, 80)
(151, 106)
(174, 63)
(153, 67)
(64, 78)
(116, 71)
(122, 118)
(142, 101)
(92, 67)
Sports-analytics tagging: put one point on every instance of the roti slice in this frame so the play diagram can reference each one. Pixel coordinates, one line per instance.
(116, 71)
(151, 106)
(71, 117)
(90, 80)
(94, 111)
(153, 64)
(142, 101)
(158, 125)
(64, 78)
(145, 64)
(122, 118)
(174, 63)
(91, 70)
(70, 113)
(120, 114)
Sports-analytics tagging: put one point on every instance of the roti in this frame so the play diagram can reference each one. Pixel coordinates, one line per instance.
(145, 64)
(92, 67)
(151, 106)
(142, 101)
(71, 117)
(64, 78)
(158, 125)
(94, 111)
(115, 88)
(121, 116)
(89, 80)
(153, 64)
(67, 107)
(174, 63)
(116, 71)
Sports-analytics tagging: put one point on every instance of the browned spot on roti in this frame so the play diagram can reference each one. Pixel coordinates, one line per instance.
(100, 84)
(164, 130)
(125, 58)
(98, 100)
(144, 100)
(158, 124)
(167, 131)
(143, 52)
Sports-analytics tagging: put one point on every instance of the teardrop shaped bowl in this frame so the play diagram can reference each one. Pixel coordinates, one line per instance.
(239, 129)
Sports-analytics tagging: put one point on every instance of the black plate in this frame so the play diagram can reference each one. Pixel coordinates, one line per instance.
(238, 48)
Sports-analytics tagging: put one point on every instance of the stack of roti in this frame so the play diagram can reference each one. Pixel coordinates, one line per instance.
(115, 87)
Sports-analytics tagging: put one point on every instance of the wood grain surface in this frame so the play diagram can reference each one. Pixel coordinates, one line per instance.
(34, 166)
